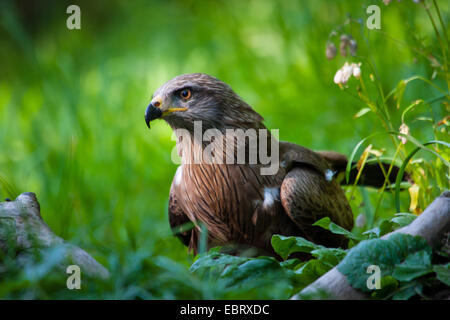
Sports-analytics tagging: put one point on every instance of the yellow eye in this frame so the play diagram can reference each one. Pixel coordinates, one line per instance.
(185, 94)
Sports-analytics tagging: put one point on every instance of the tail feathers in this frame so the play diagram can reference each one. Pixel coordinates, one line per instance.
(373, 174)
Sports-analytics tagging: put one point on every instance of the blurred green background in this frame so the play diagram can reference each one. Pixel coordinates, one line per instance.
(72, 102)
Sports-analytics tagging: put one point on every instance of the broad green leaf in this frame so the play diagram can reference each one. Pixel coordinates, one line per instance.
(214, 259)
(407, 292)
(285, 246)
(443, 272)
(386, 254)
(253, 269)
(329, 256)
(384, 228)
(240, 273)
(403, 219)
(388, 285)
(326, 223)
(310, 272)
(414, 266)
(292, 264)
(372, 233)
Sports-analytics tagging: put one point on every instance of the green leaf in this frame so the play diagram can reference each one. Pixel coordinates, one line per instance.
(215, 259)
(310, 272)
(403, 219)
(384, 253)
(242, 274)
(323, 223)
(408, 292)
(388, 285)
(373, 233)
(253, 269)
(362, 112)
(414, 266)
(285, 246)
(329, 256)
(292, 263)
(334, 228)
(400, 90)
(384, 228)
(443, 272)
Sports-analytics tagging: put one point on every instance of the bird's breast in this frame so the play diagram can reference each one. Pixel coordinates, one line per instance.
(234, 201)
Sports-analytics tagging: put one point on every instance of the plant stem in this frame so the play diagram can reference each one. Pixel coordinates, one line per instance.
(444, 29)
(438, 36)
(386, 181)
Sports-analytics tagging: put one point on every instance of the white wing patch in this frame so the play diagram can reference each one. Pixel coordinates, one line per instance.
(178, 175)
(329, 174)
(270, 196)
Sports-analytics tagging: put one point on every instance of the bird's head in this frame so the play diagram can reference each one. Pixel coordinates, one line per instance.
(200, 97)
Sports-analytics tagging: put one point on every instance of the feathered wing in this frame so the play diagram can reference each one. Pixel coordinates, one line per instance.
(309, 192)
(178, 220)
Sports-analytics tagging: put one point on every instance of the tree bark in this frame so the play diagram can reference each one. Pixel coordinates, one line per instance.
(21, 226)
(432, 225)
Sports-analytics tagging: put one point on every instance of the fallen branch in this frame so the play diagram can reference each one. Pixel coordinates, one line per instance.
(21, 225)
(432, 225)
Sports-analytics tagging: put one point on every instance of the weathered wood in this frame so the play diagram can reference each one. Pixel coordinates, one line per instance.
(432, 225)
(21, 225)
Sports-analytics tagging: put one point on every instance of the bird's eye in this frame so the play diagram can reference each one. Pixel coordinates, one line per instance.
(185, 94)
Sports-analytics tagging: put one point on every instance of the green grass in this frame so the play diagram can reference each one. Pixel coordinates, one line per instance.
(72, 124)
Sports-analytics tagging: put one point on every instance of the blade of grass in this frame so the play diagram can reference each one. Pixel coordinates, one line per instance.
(10, 190)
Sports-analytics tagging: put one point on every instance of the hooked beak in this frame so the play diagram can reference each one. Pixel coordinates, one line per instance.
(152, 113)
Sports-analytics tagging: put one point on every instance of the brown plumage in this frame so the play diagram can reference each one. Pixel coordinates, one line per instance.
(238, 205)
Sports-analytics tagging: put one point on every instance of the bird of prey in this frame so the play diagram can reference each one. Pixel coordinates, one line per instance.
(239, 206)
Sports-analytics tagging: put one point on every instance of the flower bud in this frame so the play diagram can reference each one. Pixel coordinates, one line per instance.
(356, 70)
(330, 51)
(338, 77)
(404, 129)
(353, 46)
(343, 45)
